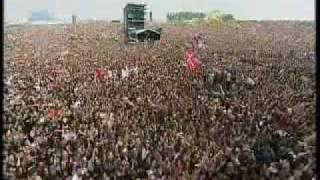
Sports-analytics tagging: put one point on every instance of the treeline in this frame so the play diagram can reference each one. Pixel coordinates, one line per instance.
(181, 16)
(227, 17)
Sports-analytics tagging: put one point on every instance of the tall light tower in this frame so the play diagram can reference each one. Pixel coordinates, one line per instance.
(150, 14)
(74, 19)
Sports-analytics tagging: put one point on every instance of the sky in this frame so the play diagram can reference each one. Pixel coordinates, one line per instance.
(112, 9)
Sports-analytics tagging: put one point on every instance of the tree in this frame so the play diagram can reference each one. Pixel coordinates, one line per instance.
(227, 17)
(183, 16)
(215, 19)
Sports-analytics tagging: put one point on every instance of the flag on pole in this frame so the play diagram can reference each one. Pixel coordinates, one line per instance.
(192, 61)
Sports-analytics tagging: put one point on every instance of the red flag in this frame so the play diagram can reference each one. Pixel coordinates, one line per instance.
(52, 114)
(54, 87)
(192, 61)
(180, 168)
(100, 73)
(59, 112)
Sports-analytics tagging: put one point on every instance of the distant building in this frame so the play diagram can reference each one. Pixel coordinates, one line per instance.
(150, 16)
(42, 15)
(74, 19)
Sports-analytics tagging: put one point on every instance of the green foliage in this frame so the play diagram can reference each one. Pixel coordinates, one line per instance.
(179, 17)
(214, 17)
(227, 17)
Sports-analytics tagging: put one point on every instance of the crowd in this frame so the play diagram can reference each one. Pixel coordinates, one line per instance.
(79, 104)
